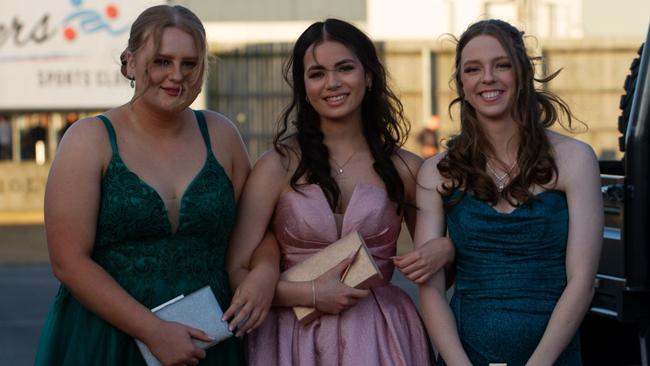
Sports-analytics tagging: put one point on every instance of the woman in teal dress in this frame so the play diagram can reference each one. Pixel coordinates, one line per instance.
(522, 205)
(139, 208)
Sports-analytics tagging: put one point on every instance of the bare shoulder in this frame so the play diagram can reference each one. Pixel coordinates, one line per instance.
(575, 160)
(220, 126)
(226, 142)
(83, 153)
(570, 151)
(270, 173)
(87, 128)
(429, 171)
(280, 165)
(407, 160)
(87, 135)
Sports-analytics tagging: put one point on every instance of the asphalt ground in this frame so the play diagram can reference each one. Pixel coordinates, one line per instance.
(27, 292)
(27, 288)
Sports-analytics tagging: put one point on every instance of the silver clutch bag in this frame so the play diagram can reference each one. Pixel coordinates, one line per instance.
(199, 310)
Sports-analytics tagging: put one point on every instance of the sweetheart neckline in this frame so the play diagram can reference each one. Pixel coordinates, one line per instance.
(515, 209)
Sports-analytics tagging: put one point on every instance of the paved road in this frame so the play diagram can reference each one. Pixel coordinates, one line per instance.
(23, 244)
(27, 291)
(27, 288)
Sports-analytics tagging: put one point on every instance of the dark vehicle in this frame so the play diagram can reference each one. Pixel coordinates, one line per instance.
(617, 329)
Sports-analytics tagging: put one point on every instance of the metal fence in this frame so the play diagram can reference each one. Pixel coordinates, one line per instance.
(246, 85)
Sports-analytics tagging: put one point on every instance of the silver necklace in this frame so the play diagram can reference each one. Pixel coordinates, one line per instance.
(500, 181)
(339, 167)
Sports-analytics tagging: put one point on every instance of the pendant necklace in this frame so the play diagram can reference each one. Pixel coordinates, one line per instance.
(339, 167)
(500, 181)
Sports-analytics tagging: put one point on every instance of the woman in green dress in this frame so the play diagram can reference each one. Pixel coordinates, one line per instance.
(139, 208)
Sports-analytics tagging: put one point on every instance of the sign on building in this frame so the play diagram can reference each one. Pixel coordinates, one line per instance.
(59, 54)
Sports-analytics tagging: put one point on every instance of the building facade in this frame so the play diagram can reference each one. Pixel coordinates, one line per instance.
(61, 63)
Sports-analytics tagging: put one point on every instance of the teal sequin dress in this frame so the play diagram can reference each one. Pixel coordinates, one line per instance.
(135, 245)
(510, 273)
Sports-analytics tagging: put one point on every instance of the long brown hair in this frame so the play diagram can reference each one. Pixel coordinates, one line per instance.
(533, 110)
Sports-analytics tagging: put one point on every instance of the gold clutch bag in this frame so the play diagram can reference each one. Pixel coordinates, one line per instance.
(362, 271)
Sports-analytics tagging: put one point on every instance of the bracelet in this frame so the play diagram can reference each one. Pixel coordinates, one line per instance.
(313, 293)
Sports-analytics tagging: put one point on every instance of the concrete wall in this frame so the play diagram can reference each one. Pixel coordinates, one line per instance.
(592, 84)
(22, 186)
(606, 18)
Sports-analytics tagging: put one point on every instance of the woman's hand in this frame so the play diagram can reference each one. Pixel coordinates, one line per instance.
(171, 343)
(331, 295)
(251, 302)
(422, 262)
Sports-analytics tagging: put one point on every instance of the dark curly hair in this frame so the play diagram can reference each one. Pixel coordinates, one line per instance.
(533, 109)
(384, 125)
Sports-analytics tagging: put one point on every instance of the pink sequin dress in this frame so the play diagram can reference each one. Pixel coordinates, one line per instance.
(382, 329)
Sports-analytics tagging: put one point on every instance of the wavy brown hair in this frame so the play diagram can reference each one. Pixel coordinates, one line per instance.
(383, 123)
(533, 109)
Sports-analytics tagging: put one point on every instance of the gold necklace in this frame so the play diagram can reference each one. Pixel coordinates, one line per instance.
(339, 167)
(500, 180)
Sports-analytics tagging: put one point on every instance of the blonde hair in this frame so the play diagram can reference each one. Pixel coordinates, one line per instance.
(153, 21)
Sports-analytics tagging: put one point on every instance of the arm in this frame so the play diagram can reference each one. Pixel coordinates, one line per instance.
(71, 209)
(253, 297)
(253, 258)
(422, 262)
(579, 176)
(326, 293)
(255, 288)
(434, 306)
(230, 150)
(408, 165)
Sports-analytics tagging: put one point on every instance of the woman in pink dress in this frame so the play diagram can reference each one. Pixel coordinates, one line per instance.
(338, 168)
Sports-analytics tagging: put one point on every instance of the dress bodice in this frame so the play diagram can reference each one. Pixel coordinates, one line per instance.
(134, 239)
(304, 223)
(510, 273)
(523, 250)
(382, 329)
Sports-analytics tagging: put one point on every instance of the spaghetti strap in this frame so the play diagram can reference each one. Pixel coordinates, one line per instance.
(200, 118)
(111, 132)
(134, 241)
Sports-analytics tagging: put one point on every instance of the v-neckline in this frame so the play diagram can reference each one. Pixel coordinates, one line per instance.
(161, 201)
(344, 214)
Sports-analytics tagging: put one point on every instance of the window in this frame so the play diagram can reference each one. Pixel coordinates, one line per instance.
(5, 138)
(33, 137)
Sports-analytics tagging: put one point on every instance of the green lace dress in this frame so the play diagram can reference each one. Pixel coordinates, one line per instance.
(136, 246)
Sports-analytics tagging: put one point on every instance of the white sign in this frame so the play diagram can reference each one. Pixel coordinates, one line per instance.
(64, 54)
